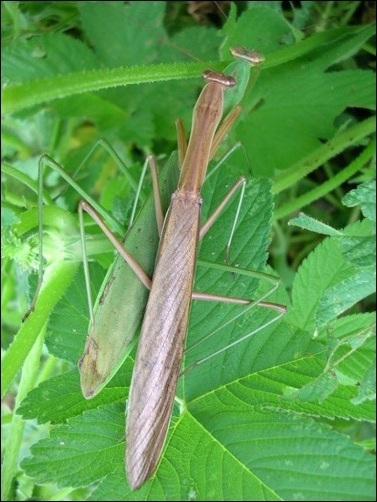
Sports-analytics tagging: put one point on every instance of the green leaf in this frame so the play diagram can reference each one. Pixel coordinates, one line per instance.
(269, 29)
(124, 22)
(336, 299)
(334, 277)
(87, 435)
(323, 268)
(241, 443)
(65, 399)
(68, 326)
(358, 244)
(351, 353)
(367, 390)
(365, 196)
(317, 390)
(309, 223)
(298, 93)
(45, 56)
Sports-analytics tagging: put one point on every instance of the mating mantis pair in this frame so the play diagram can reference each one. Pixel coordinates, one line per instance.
(113, 325)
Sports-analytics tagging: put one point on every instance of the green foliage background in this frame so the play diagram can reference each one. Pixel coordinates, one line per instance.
(286, 414)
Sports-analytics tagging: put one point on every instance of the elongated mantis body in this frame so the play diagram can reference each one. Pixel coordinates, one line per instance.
(164, 328)
(160, 350)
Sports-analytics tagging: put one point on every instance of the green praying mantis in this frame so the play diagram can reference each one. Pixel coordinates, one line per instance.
(119, 308)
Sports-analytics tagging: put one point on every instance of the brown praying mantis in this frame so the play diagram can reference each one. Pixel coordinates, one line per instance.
(163, 333)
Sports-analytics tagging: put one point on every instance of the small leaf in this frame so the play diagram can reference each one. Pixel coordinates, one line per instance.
(360, 284)
(365, 196)
(351, 350)
(316, 391)
(367, 390)
(358, 244)
(310, 223)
